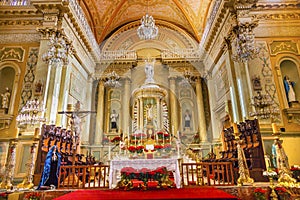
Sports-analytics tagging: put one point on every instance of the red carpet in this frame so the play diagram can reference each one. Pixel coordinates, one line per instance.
(182, 193)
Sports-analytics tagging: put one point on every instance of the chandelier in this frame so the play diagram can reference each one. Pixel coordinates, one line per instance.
(263, 105)
(187, 80)
(29, 114)
(112, 80)
(147, 30)
(59, 49)
(245, 48)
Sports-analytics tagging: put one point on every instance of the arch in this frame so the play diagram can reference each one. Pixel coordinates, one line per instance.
(169, 37)
(188, 115)
(11, 80)
(288, 65)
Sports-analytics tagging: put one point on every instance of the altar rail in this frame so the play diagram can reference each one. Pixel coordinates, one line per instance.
(96, 176)
(84, 176)
(207, 174)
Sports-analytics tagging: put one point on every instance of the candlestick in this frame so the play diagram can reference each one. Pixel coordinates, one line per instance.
(235, 128)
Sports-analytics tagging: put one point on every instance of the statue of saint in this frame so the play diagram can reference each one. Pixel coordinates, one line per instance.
(187, 119)
(5, 100)
(149, 70)
(289, 89)
(149, 112)
(113, 119)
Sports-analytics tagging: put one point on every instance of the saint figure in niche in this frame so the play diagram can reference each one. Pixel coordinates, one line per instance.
(289, 89)
(113, 119)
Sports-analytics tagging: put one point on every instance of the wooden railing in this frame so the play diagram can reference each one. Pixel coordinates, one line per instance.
(207, 174)
(84, 176)
(96, 176)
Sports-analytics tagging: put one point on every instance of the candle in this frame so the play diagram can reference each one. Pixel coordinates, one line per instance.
(274, 128)
(109, 152)
(235, 128)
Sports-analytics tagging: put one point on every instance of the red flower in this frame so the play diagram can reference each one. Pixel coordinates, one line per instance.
(116, 139)
(281, 189)
(157, 146)
(132, 149)
(260, 190)
(33, 195)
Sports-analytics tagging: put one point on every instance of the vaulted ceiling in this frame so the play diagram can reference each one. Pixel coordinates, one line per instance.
(107, 16)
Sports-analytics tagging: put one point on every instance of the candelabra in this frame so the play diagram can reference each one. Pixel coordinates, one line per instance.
(9, 167)
(27, 182)
(244, 43)
(112, 80)
(30, 113)
(263, 106)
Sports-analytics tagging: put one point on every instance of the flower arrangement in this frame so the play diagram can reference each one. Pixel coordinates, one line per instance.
(132, 149)
(282, 192)
(158, 147)
(139, 149)
(167, 147)
(3, 195)
(260, 194)
(116, 139)
(33, 196)
(160, 135)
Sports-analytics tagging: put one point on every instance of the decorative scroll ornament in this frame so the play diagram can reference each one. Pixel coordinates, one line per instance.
(112, 80)
(147, 30)
(59, 49)
(187, 80)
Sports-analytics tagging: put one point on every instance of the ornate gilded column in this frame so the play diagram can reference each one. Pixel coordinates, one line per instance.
(159, 111)
(173, 105)
(141, 114)
(100, 114)
(9, 166)
(201, 111)
(125, 107)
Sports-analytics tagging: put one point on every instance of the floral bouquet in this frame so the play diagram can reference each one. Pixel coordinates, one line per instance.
(139, 149)
(116, 139)
(158, 147)
(260, 194)
(33, 196)
(132, 149)
(283, 193)
(160, 135)
(167, 147)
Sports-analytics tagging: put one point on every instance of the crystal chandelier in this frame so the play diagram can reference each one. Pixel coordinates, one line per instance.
(30, 113)
(59, 49)
(245, 48)
(112, 80)
(147, 30)
(263, 105)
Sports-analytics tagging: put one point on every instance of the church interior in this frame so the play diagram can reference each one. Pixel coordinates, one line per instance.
(198, 86)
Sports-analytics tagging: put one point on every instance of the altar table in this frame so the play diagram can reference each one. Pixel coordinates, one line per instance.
(172, 164)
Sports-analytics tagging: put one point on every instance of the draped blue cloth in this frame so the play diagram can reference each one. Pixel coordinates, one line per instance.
(49, 171)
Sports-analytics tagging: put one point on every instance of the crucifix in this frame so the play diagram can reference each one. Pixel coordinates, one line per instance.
(74, 117)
